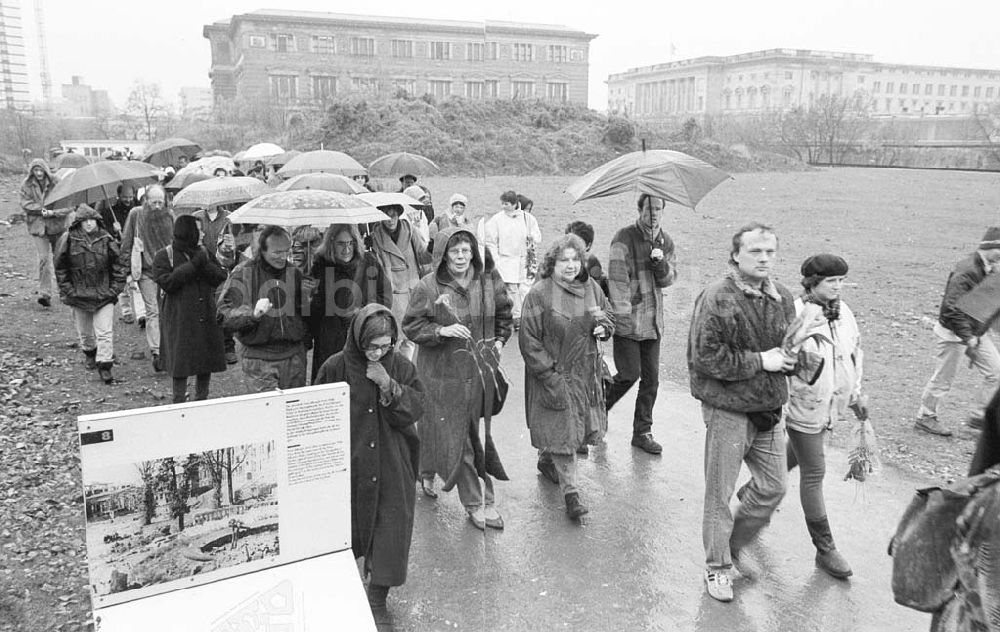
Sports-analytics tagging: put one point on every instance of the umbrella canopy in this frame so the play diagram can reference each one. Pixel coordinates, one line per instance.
(99, 181)
(214, 191)
(260, 151)
(70, 160)
(306, 208)
(239, 156)
(63, 172)
(385, 198)
(671, 175)
(322, 161)
(186, 178)
(283, 158)
(168, 152)
(321, 182)
(209, 165)
(402, 163)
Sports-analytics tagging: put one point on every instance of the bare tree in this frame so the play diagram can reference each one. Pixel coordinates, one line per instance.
(221, 464)
(147, 473)
(987, 121)
(146, 105)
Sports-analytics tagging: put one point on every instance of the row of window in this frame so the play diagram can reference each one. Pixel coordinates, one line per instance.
(404, 48)
(942, 89)
(938, 107)
(284, 87)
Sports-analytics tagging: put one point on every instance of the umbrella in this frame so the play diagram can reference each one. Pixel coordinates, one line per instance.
(70, 160)
(402, 163)
(168, 152)
(62, 172)
(283, 158)
(209, 165)
(260, 151)
(306, 208)
(239, 156)
(214, 191)
(99, 181)
(324, 161)
(321, 182)
(186, 178)
(385, 198)
(671, 175)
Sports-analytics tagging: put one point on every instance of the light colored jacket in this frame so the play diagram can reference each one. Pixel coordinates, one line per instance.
(812, 408)
(506, 239)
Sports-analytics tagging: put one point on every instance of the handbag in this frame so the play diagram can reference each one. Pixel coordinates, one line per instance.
(501, 387)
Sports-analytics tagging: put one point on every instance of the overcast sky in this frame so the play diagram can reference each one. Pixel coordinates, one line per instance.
(111, 43)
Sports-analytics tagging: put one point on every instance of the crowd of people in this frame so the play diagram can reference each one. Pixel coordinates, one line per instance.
(415, 312)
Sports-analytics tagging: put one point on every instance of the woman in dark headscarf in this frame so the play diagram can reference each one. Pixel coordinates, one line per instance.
(348, 278)
(191, 336)
(387, 400)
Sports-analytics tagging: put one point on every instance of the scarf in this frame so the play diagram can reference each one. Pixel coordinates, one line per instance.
(766, 289)
(831, 309)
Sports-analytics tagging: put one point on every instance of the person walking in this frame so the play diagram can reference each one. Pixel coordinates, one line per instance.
(511, 236)
(564, 316)
(459, 316)
(421, 217)
(91, 275)
(148, 229)
(956, 336)
(189, 276)
(45, 226)
(387, 399)
(114, 213)
(641, 264)
(349, 278)
(736, 367)
(214, 221)
(454, 216)
(814, 407)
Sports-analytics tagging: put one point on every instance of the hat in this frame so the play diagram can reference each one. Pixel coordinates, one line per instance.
(991, 239)
(407, 175)
(458, 198)
(827, 265)
(415, 192)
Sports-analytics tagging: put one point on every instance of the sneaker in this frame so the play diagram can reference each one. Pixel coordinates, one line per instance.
(427, 486)
(719, 585)
(45, 300)
(574, 508)
(646, 443)
(478, 518)
(128, 319)
(931, 425)
(230, 357)
(976, 422)
(548, 470)
(493, 518)
(142, 322)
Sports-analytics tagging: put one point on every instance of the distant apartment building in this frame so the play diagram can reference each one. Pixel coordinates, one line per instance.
(195, 103)
(13, 60)
(300, 57)
(81, 100)
(784, 78)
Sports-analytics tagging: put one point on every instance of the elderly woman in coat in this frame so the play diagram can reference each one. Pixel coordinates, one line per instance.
(387, 400)
(564, 315)
(191, 336)
(459, 316)
(90, 276)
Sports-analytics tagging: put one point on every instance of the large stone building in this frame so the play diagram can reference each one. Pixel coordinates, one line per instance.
(784, 78)
(13, 61)
(302, 58)
(81, 100)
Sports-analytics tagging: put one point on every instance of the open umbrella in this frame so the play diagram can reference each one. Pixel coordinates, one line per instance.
(167, 152)
(70, 160)
(209, 165)
(321, 182)
(306, 208)
(214, 191)
(402, 163)
(99, 181)
(322, 161)
(671, 175)
(186, 178)
(386, 198)
(283, 158)
(261, 151)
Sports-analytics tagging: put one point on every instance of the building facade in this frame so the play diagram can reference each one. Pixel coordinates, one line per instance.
(195, 103)
(785, 78)
(81, 100)
(302, 58)
(13, 60)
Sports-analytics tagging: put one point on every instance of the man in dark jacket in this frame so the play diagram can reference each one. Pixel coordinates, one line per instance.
(44, 225)
(735, 364)
(955, 334)
(641, 265)
(263, 302)
(114, 213)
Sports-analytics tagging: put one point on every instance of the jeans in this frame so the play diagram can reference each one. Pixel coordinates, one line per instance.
(470, 492)
(96, 331)
(806, 451)
(149, 291)
(948, 354)
(45, 246)
(636, 360)
(201, 384)
(565, 465)
(263, 375)
(730, 440)
(130, 299)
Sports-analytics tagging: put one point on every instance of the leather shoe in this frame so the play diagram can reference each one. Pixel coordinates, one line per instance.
(833, 563)
(930, 424)
(478, 518)
(493, 518)
(427, 486)
(45, 301)
(646, 443)
(574, 508)
(142, 322)
(548, 470)
(157, 365)
(975, 422)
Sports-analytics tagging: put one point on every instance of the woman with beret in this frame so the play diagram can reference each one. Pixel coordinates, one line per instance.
(812, 408)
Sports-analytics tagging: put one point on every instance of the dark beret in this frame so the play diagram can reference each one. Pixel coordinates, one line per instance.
(824, 265)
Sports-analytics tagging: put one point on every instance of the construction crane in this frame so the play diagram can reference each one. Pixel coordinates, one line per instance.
(43, 53)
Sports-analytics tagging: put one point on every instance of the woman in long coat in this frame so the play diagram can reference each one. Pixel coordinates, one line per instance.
(459, 316)
(349, 278)
(563, 317)
(387, 399)
(190, 335)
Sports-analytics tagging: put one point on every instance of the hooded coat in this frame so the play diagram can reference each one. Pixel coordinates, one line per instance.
(32, 195)
(563, 364)
(401, 259)
(459, 375)
(384, 452)
(191, 336)
(88, 268)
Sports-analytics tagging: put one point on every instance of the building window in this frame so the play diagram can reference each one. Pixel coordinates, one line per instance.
(324, 88)
(524, 52)
(916, 88)
(557, 92)
(475, 51)
(283, 87)
(363, 46)
(876, 86)
(282, 43)
(965, 91)
(401, 48)
(492, 51)
(928, 89)
(407, 86)
(576, 55)
(989, 92)
(889, 87)
(365, 84)
(440, 50)
(440, 88)
(491, 88)
(258, 41)
(788, 75)
(902, 88)
(977, 91)
(473, 89)
(522, 89)
(323, 44)
(953, 91)
(940, 89)
(557, 54)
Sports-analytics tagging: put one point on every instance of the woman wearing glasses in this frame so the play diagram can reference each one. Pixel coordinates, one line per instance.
(348, 278)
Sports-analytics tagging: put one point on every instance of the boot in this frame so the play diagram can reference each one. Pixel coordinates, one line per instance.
(90, 359)
(104, 370)
(828, 557)
(376, 596)
(574, 508)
